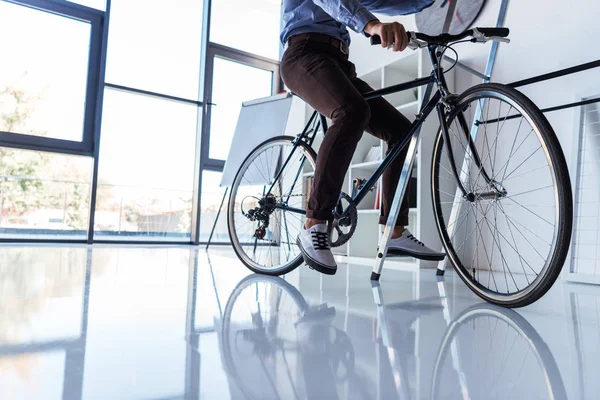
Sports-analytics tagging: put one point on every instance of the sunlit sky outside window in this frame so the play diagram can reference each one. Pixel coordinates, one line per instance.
(233, 83)
(45, 57)
(155, 45)
(249, 25)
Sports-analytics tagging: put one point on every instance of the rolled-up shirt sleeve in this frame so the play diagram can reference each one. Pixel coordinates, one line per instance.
(348, 12)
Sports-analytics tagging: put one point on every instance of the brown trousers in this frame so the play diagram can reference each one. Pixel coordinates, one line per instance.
(322, 75)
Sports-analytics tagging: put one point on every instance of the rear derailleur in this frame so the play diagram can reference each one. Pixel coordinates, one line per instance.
(261, 214)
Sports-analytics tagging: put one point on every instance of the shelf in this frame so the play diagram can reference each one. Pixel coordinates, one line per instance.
(408, 65)
(373, 78)
(368, 211)
(371, 165)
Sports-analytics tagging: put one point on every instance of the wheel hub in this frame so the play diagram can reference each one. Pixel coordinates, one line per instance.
(496, 192)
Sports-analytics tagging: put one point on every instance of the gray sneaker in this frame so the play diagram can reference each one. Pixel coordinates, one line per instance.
(408, 245)
(314, 245)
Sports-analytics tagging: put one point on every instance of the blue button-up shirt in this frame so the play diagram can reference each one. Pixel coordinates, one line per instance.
(331, 17)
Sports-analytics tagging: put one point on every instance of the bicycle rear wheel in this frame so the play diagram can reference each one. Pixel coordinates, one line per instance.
(262, 233)
(508, 237)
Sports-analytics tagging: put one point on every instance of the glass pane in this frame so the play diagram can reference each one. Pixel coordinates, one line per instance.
(259, 20)
(43, 84)
(43, 195)
(233, 83)
(146, 167)
(212, 195)
(155, 45)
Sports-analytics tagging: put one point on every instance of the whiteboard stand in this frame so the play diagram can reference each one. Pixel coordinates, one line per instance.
(259, 120)
(212, 231)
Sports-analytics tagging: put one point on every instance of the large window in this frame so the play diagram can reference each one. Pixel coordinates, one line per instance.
(43, 73)
(233, 83)
(155, 45)
(43, 195)
(146, 167)
(148, 141)
(250, 26)
(116, 117)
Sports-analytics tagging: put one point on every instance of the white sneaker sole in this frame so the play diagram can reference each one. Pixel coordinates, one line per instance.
(314, 264)
(414, 254)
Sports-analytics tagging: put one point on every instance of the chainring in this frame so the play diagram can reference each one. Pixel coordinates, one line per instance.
(344, 224)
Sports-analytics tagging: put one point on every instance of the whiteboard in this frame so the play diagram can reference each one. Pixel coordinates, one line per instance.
(258, 121)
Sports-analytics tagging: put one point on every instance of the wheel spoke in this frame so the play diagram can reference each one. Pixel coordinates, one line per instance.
(524, 161)
(537, 215)
(529, 191)
(510, 153)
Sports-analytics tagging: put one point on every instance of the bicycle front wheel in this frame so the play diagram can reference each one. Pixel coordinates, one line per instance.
(508, 235)
(267, 203)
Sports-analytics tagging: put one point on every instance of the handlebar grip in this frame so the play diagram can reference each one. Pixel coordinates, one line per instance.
(375, 40)
(495, 32)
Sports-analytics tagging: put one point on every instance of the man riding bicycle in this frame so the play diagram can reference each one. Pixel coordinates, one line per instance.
(315, 66)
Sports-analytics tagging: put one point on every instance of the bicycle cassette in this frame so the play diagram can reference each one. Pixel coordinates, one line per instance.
(344, 223)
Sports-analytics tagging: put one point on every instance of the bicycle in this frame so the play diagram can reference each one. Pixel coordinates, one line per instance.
(483, 188)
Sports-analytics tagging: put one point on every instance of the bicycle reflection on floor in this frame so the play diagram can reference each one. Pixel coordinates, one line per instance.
(276, 346)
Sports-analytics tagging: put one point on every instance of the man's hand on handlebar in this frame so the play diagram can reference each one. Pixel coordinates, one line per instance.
(391, 34)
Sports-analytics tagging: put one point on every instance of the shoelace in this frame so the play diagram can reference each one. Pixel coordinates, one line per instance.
(414, 239)
(320, 240)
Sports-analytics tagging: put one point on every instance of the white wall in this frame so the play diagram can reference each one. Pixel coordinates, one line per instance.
(546, 36)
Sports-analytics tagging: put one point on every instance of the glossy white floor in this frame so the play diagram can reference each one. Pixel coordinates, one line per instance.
(174, 323)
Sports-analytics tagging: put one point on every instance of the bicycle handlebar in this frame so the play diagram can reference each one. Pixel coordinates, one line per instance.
(479, 35)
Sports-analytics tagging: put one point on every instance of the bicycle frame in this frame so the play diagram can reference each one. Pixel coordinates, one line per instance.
(436, 102)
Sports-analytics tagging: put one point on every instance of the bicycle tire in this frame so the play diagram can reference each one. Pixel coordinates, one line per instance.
(519, 324)
(544, 281)
(237, 247)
